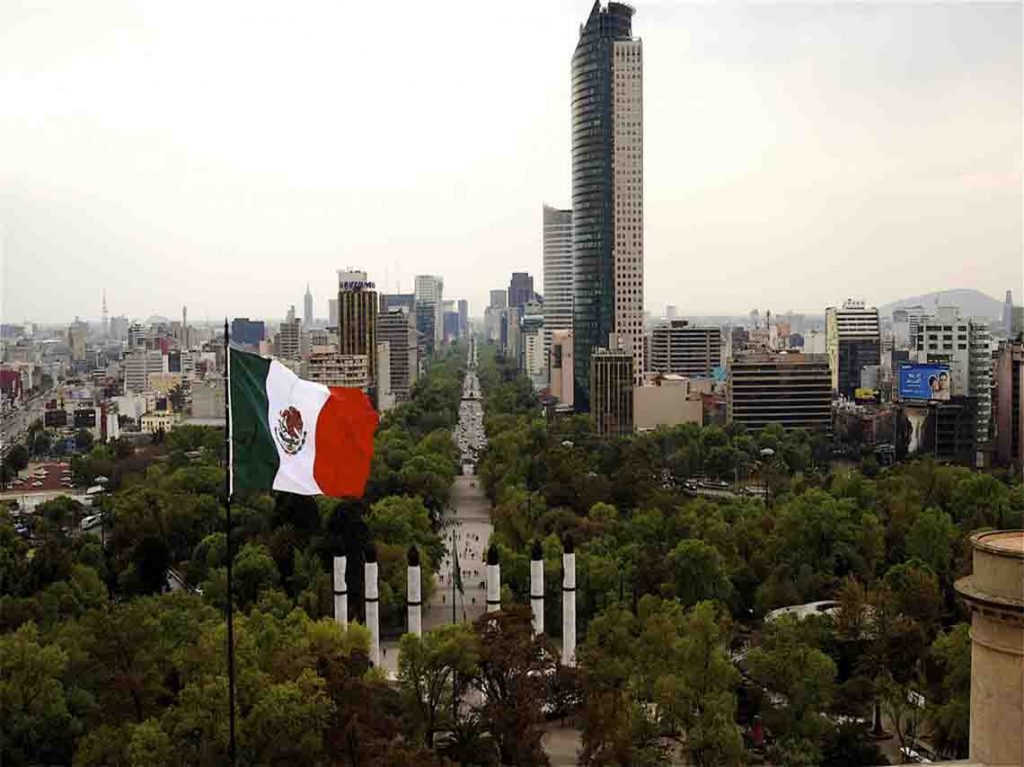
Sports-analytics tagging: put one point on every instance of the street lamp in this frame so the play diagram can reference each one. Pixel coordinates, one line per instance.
(767, 454)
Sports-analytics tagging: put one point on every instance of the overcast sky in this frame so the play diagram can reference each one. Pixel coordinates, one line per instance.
(222, 154)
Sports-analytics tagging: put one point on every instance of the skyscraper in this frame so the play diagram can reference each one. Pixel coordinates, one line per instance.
(520, 289)
(307, 308)
(430, 292)
(332, 312)
(397, 328)
(557, 271)
(463, 317)
(357, 319)
(853, 341)
(607, 190)
(1007, 313)
(612, 407)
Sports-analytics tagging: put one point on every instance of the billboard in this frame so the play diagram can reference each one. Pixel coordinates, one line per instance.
(924, 381)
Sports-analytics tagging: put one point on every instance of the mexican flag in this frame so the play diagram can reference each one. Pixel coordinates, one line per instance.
(295, 435)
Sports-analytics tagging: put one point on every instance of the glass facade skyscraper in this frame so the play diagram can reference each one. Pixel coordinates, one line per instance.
(607, 191)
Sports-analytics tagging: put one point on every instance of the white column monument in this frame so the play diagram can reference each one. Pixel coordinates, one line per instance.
(568, 602)
(413, 599)
(493, 580)
(372, 598)
(340, 592)
(537, 587)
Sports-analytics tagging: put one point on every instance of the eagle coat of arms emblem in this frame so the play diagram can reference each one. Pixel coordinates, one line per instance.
(290, 431)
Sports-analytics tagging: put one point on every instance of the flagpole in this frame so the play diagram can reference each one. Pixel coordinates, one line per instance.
(228, 490)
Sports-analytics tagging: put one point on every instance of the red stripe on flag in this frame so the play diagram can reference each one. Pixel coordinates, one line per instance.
(344, 443)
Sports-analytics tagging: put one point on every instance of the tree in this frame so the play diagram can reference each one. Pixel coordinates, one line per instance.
(36, 726)
(17, 458)
(699, 572)
(802, 681)
(254, 571)
(41, 443)
(931, 539)
(83, 440)
(513, 669)
(150, 559)
(697, 695)
(950, 718)
(287, 722)
(980, 500)
(60, 511)
(431, 670)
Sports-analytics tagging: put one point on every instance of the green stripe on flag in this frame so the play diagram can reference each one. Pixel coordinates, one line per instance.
(254, 456)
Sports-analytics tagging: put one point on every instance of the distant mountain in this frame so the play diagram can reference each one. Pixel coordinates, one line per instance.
(971, 302)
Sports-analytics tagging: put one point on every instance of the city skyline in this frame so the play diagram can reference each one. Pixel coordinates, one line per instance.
(828, 152)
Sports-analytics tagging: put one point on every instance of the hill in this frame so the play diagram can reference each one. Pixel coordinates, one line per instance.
(970, 302)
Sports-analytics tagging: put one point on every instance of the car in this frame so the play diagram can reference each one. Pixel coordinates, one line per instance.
(37, 483)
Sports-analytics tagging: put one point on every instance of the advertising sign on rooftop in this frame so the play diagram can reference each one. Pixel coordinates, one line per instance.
(924, 381)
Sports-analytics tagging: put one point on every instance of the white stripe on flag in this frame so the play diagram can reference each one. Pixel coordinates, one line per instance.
(284, 390)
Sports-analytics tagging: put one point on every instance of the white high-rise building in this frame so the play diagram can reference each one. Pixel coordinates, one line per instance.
(963, 343)
(557, 272)
(430, 291)
(628, 197)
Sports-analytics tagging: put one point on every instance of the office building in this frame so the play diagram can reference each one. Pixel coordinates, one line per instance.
(397, 328)
(307, 308)
(561, 375)
(451, 327)
(607, 190)
(520, 289)
(667, 401)
(680, 348)
(246, 332)
(385, 397)
(852, 340)
(357, 318)
(404, 301)
(319, 338)
(332, 313)
(611, 372)
(429, 291)
(499, 299)
(332, 368)
(78, 332)
(557, 271)
(139, 363)
(1009, 404)
(289, 339)
(792, 390)
(512, 334)
(426, 319)
(463, 317)
(963, 343)
(1008, 314)
(534, 362)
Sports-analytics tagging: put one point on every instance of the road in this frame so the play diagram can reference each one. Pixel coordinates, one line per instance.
(466, 523)
(15, 425)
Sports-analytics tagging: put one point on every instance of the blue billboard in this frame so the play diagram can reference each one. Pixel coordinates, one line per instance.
(924, 381)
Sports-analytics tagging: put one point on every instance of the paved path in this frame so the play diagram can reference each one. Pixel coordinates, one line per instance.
(466, 523)
(469, 522)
